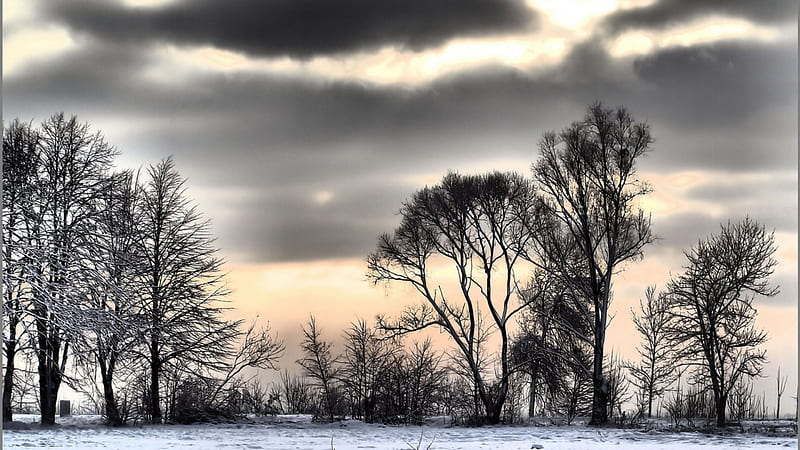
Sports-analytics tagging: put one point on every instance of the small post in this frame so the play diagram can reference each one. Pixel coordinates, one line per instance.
(64, 408)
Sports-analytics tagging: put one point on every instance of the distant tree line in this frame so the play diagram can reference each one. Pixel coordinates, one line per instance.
(111, 277)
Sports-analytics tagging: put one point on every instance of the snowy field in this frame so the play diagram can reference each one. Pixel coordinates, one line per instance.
(297, 432)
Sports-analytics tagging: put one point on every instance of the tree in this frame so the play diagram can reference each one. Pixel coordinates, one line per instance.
(20, 168)
(781, 389)
(182, 293)
(366, 360)
(72, 165)
(712, 317)
(259, 350)
(547, 348)
(112, 287)
(587, 174)
(655, 370)
(476, 223)
(320, 365)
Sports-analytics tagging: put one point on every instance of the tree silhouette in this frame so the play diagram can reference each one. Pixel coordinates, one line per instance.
(655, 370)
(587, 174)
(712, 318)
(479, 225)
(182, 293)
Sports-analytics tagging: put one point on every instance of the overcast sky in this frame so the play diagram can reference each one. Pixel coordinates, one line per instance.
(303, 124)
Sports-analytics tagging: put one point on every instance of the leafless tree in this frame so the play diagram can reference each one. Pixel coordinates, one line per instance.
(711, 306)
(20, 169)
(781, 389)
(587, 174)
(72, 164)
(320, 365)
(477, 224)
(546, 347)
(259, 350)
(366, 360)
(182, 293)
(617, 384)
(656, 368)
(111, 289)
(296, 393)
(421, 371)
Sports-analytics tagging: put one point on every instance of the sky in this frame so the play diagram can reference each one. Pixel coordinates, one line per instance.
(302, 125)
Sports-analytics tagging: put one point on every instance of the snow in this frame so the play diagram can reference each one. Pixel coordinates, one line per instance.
(298, 432)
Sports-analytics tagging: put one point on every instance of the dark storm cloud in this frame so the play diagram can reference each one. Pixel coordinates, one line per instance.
(280, 139)
(296, 28)
(664, 13)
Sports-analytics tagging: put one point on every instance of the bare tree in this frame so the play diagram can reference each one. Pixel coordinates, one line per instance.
(72, 165)
(781, 390)
(366, 360)
(476, 223)
(319, 364)
(111, 288)
(712, 318)
(20, 168)
(617, 384)
(655, 369)
(547, 342)
(182, 293)
(296, 393)
(587, 173)
(422, 375)
(259, 350)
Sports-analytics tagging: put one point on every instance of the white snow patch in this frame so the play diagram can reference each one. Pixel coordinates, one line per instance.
(298, 432)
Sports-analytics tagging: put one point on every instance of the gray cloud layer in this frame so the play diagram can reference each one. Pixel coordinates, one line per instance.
(274, 142)
(296, 28)
(664, 13)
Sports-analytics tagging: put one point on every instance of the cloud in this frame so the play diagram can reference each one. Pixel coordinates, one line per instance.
(296, 28)
(727, 106)
(664, 13)
(283, 140)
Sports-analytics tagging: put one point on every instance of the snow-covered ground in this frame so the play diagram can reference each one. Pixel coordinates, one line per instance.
(297, 432)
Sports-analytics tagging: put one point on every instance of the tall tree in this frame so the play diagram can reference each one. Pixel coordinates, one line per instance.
(20, 169)
(182, 296)
(73, 164)
(477, 224)
(712, 317)
(587, 174)
(111, 290)
(655, 370)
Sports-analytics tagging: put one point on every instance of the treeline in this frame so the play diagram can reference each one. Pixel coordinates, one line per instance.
(119, 276)
(108, 275)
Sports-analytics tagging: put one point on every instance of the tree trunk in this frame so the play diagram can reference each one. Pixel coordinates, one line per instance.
(721, 403)
(49, 371)
(49, 382)
(492, 406)
(532, 399)
(493, 413)
(155, 395)
(113, 416)
(599, 382)
(8, 378)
